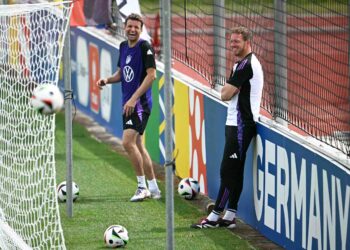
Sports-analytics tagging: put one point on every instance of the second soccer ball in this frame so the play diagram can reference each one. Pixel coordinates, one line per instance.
(188, 188)
(62, 191)
(116, 236)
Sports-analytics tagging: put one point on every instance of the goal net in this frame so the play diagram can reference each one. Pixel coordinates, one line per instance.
(31, 44)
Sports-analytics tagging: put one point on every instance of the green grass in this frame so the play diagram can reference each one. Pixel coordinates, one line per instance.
(106, 182)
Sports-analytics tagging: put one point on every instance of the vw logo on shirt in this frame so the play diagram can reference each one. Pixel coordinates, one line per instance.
(128, 73)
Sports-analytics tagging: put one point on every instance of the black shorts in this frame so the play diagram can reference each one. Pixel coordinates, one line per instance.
(136, 121)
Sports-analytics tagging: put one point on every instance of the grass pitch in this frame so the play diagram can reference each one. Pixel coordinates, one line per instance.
(106, 181)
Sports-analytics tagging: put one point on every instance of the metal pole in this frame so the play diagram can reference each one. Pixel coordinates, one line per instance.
(219, 44)
(68, 120)
(166, 42)
(349, 49)
(347, 138)
(281, 86)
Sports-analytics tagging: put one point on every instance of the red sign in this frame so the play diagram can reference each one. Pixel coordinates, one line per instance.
(94, 75)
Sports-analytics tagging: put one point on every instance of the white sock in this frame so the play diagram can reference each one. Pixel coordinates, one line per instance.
(141, 181)
(229, 215)
(152, 184)
(213, 216)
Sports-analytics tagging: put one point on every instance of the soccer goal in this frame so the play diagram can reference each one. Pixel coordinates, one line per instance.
(31, 45)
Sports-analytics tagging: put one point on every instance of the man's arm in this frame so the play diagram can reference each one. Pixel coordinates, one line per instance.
(228, 91)
(115, 78)
(146, 84)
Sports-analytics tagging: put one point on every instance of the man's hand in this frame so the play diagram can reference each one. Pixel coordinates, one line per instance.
(101, 82)
(129, 107)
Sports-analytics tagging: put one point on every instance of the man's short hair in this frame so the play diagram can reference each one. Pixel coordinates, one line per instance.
(135, 17)
(245, 32)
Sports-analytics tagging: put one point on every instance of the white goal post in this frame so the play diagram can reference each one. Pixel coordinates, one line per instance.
(31, 45)
(9, 237)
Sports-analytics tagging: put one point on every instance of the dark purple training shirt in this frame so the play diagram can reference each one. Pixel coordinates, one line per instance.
(133, 63)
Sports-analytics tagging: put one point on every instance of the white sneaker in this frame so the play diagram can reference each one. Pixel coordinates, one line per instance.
(141, 194)
(155, 194)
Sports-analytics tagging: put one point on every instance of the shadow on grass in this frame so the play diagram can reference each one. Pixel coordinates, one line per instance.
(186, 229)
(98, 199)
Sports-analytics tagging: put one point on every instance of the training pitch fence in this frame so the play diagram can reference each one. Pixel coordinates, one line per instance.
(303, 46)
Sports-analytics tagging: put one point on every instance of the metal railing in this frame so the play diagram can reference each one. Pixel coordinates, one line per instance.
(302, 45)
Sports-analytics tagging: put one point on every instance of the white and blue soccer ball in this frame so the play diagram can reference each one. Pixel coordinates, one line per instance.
(116, 236)
(62, 191)
(47, 99)
(188, 188)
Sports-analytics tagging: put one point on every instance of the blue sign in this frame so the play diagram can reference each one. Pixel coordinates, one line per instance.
(295, 196)
(93, 59)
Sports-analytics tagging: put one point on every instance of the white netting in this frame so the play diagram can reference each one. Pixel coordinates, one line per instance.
(9, 238)
(31, 43)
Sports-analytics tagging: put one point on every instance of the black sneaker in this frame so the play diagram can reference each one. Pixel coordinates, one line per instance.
(205, 223)
(227, 223)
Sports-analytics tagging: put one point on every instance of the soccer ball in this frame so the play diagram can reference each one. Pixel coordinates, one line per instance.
(188, 188)
(47, 99)
(116, 236)
(62, 191)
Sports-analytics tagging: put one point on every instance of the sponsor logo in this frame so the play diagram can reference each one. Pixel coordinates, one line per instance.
(149, 52)
(233, 156)
(94, 75)
(128, 74)
(129, 122)
(82, 71)
(106, 94)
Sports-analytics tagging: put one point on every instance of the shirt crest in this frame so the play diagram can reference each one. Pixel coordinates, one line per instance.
(128, 59)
